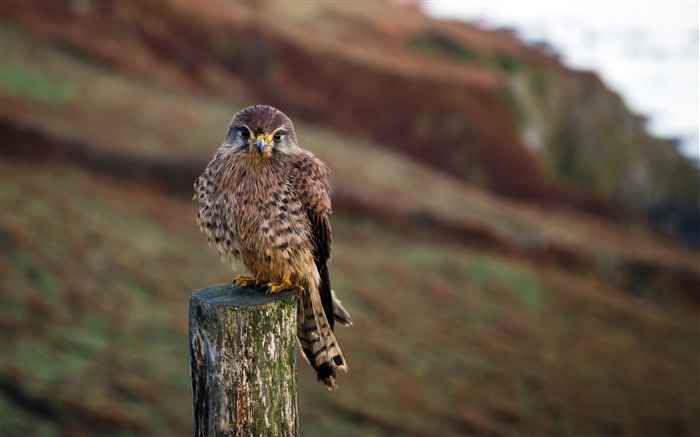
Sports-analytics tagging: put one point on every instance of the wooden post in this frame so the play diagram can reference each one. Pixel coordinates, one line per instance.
(243, 362)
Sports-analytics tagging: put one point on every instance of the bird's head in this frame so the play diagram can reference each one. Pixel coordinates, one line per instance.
(262, 131)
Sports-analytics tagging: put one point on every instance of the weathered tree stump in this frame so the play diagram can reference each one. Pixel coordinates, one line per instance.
(243, 362)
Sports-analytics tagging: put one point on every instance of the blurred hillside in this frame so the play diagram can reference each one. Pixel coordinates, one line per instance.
(491, 228)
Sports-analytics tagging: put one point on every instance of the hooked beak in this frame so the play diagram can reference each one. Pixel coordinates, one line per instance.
(260, 143)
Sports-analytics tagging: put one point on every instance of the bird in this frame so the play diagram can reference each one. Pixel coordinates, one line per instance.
(265, 201)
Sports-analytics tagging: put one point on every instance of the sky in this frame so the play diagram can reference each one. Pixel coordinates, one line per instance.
(647, 51)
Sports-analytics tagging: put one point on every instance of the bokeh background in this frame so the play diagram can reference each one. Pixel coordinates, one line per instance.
(519, 254)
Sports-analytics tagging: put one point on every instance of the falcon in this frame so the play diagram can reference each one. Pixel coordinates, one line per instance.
(265, 201)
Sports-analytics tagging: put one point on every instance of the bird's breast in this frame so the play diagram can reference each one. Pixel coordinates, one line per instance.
(271, 227)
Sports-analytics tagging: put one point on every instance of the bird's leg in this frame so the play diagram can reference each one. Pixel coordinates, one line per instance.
(285, 284)
(244, 281)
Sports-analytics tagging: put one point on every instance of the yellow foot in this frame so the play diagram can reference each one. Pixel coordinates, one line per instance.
(245, 281)
(276, 287)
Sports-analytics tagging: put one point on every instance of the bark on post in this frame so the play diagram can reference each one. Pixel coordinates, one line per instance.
(243, 362)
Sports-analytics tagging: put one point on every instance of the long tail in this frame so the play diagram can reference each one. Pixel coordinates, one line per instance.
(317, 341)
(342, 315)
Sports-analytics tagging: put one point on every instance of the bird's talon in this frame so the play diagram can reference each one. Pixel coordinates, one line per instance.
(276, 287)
(244, 281)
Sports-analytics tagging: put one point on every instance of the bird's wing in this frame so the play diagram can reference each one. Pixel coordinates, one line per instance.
(309, 179)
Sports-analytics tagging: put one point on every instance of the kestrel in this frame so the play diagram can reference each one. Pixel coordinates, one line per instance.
(266, 201)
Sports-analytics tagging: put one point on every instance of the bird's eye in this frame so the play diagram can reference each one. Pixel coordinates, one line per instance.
(245, 133)
(277, 137)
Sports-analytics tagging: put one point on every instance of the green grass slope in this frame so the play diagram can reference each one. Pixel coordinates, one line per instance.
(92, 325)
(96, 275)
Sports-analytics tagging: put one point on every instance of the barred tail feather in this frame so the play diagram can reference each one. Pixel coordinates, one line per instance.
(342, 315)
(317, 341)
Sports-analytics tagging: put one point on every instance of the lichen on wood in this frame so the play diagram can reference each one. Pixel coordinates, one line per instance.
(243, 362)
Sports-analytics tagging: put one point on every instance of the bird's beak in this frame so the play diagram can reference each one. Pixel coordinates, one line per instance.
(260, 143)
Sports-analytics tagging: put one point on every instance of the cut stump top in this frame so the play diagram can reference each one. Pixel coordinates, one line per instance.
(238, 296)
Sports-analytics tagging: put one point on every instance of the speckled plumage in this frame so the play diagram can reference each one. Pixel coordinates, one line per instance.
(265, 201)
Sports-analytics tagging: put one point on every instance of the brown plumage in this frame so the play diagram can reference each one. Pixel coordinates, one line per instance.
(265, 201)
